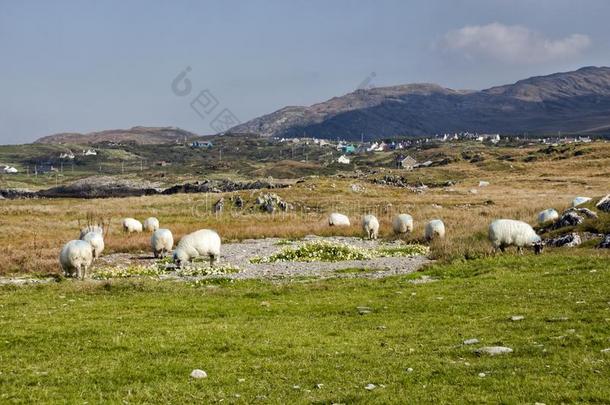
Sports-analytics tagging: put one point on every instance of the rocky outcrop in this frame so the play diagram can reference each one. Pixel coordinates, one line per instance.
(568, 218)
(605, 243)
(109, 187)
(568, 240)
(604, 204)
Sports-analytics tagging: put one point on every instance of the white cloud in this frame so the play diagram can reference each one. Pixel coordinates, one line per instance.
(512, 44)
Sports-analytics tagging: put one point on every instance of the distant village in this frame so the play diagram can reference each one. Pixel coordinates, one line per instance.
(408, 162)
(346, 149)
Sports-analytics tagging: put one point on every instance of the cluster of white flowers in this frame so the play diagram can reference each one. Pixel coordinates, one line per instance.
(130, 271)
(193, 270)
(323, 251)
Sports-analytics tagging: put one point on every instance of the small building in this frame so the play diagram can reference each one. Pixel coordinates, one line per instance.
(407, 163)
(343, 160)
(347, 149)
(202, 144)
(67, 155)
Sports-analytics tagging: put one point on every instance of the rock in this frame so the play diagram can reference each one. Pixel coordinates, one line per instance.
(474, 191)
(409, 370)
(607, 350)
(605, 243)
(198, 374)
(568, 240)
(604, 204)
(483, 183)
(517, 318)
(319, 386)
(558, 319)
(482, 375)
(568, 218)
(493, 350)
(370, 387)
(472, 341)
(363, 310)
(588, 213)
(356, 188)
(580, 200)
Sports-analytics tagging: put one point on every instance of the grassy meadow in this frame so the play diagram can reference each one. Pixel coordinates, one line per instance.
(306, 340)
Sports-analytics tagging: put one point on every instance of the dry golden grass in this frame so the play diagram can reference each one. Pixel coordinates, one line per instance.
(33, 231)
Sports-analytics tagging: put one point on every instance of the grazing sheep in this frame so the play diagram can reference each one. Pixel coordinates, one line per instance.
(548, 215)
(435, 229)
(199, 243)
(580, 200)
(151, 224)
(90, 228)
(162, 242)
(336, 219)
(76, 256)
(96, 240)
(403, 223)
(370, 225)
(509, 232)
(132, 225)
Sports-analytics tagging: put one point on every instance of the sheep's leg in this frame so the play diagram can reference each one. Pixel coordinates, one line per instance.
(520, 250)
(212, 260)
(84, 272)
(502, 248)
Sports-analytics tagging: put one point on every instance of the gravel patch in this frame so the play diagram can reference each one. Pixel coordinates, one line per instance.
(238, 254)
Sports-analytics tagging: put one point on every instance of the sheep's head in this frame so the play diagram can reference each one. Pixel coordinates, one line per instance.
(538, 246)
(180, 256)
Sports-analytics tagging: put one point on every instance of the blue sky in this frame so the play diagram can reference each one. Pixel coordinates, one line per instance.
(83, 66)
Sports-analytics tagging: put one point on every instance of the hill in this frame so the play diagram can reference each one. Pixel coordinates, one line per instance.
(138, 135)
(577, 101)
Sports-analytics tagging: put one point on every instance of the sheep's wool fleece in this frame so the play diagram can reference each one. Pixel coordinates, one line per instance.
(511, 232)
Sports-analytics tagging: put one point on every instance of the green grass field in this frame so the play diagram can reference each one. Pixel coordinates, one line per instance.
(135, 341)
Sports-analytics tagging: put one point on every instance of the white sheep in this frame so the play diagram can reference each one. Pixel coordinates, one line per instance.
(370, 225)
(162, 242)
(131, 225)
(151, 224)
(76, 256)
(336, 219)
(90, 228)
(403, 223)
(509, 232)
(548, 215)
(199, 243)
(435, 229)
(580, 200)
(96, 240)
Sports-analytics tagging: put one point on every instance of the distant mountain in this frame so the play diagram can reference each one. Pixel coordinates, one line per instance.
(139, 135)
(577, 101)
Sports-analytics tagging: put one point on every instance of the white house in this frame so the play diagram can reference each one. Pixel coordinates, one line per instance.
(407, 163)
(67, 155)
(343, 160)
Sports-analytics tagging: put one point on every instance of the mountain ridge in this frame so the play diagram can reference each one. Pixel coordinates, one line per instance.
(138, 134)
(575, 101)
